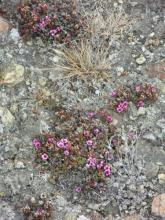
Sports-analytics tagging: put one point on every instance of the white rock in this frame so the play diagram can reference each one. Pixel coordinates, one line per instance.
(161, 178)
(6, 116)
(19, 165)
(14, 35)
(140, 60)
(15, 76)
(141, 111)
(82, 217)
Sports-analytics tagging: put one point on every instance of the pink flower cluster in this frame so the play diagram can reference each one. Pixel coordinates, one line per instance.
(36, 143)
(91, 162)
(107, 170)
(39, 213)
(122, 106)
(64, 144)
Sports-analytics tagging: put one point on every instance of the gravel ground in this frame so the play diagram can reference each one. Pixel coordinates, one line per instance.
(28, 103)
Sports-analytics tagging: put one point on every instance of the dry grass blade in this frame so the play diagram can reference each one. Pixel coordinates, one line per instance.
(84, 61)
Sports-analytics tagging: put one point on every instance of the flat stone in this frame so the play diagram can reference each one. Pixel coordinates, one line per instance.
(140, 60)
(82, 217)
(15, 76)
(151, 170)
(14, 35)
(158, 205)
(6, 116)
(161, 178)
(4, 26)
(71, 216)
(132, 217)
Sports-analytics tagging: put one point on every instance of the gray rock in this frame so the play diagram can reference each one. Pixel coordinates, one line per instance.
(6, 116)
(71, 216)
(14, 35)
(6, 212)
(19, 165)
(151, 170)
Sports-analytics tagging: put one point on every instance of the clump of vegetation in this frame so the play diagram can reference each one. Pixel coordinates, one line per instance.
(56, 22)
(37, 209)
(90, 57)
(140, 95)
(80, 147)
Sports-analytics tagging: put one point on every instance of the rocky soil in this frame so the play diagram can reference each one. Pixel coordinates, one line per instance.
(29, 97)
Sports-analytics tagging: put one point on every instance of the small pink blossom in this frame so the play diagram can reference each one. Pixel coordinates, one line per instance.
(39, 213)
(51, 140)
(44, 156)
(42, 24)
(113, 93)
(53, 32)
(153, 89)
(91, 162)
(109, 118)
(96, 131)
(125, 105)
(140, 104)
(137, 88)
(119, 109)
(86, 133)
(66, 153)
(78, 189)
(37, 144)
(90, 114)
(107, 173)
(89, 143)
(60, 144)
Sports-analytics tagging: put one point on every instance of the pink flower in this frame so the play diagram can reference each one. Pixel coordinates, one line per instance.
(60, 144)
(42, 24)
(51, 140)
(140, 104)
(86, 133)
(96, 131)
(153, 89)
(53, 32)
(89, 143)
(100, 165)
(44, 156)
(109, 118)
(90, 114)
(37, 144)
(137, 88)
(113, 93)
(66, 153)
(107, 172)
(125, 105)
(91, 162)
(64, 140)
(78, 189)
(119, 109)
(106, 167)
(40, 212)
